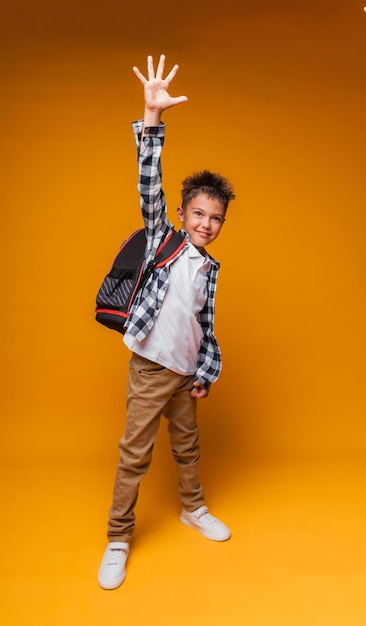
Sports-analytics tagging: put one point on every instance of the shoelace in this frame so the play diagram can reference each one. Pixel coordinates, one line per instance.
(115, 556)
(207, 519)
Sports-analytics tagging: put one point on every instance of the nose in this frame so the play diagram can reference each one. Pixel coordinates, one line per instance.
(206, 223)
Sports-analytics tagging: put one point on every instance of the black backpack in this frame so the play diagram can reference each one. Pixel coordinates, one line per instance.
(128, 275)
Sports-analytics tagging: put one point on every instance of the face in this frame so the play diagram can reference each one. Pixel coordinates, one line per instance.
(203, 219)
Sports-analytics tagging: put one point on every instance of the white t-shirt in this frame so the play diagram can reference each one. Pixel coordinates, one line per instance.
(175, 339)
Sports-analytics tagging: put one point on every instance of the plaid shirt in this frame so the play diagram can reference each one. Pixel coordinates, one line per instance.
(148, 302)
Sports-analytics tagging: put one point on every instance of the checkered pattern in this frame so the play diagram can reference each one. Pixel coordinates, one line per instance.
(147, 304)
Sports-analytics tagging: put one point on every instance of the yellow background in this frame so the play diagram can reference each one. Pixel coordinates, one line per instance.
(276, 103)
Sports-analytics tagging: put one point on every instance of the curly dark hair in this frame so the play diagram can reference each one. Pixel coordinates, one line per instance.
(210, 183)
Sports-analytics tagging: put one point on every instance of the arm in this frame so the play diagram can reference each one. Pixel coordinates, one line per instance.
(149, 135)
(209, 358)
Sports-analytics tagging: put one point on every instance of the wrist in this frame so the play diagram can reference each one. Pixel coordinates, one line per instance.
(152, 117)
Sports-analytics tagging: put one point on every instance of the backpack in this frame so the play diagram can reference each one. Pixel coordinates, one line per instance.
(128, 276)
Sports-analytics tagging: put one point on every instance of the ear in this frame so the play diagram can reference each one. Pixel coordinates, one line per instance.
(180, 213)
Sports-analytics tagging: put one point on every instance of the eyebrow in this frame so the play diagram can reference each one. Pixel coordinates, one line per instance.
(198, 208)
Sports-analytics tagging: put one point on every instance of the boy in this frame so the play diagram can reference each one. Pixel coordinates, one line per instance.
(175, 356)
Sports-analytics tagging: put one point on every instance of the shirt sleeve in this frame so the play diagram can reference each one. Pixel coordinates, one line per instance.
(152, 198)
(209, 359)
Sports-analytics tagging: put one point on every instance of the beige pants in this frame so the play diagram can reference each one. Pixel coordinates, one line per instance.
(154, 390)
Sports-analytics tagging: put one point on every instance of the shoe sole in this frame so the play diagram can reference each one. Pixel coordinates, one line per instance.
(109, 584)
(203, 532)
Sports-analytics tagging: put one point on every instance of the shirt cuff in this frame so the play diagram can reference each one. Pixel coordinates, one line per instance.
(152, 131)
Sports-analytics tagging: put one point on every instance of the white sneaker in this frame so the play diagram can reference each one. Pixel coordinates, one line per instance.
(112, 571)
(206, 524)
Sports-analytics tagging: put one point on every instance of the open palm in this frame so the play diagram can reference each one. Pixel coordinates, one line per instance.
(157, 97)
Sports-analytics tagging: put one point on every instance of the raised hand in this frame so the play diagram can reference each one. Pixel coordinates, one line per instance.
(157, 97)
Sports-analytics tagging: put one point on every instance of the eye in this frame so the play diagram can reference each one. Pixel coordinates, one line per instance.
(218, 219)
(198, 213)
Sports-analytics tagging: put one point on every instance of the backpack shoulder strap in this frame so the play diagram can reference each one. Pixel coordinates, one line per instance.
(170, 247)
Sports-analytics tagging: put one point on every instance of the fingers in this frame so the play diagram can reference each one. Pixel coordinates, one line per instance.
(156, 87)
(159, 72)
(198, 390)
(140, 76)
(199, 395)
(150, 67)
(172, 73)
(179, 100)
